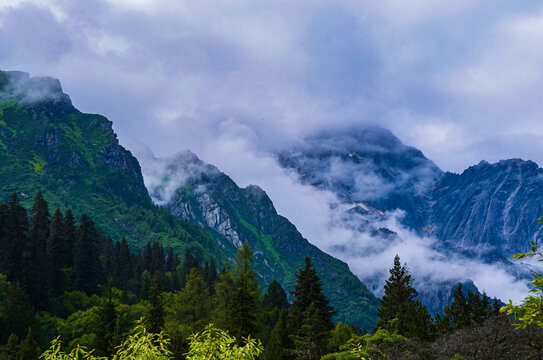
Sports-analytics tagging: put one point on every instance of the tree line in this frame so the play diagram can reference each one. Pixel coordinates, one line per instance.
(62, 278)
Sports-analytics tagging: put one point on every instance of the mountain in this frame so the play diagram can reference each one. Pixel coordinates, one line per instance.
(483, 215)
(367, 165)
(489, 209)
(76, 161)
(235, 215)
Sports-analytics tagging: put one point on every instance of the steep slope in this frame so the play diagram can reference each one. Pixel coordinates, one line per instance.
(368, 165)
(489, 210)
(236, 215)
(76, 160)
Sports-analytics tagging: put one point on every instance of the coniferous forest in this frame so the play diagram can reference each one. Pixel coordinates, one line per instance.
(63, 278)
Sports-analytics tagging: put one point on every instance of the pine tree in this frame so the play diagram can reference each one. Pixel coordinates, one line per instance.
(14, 240)
(246, 294)
(107, 329)
(16, 313)
(223, 300)
(145, 290)
(10, 351)
(67, 249)
(311, 338)
(280, 341)
(308, 290)
(87, 266)
(35, 252)
(29, 347)
(275, 297)
(55, 255)
(156, 313)
(399, 312)
(193, 304)
(189, 262)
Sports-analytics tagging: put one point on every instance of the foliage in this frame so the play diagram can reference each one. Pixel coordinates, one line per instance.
(399, 312)
(367, 346)
(140, 345)
(217, 344)
(530, 311)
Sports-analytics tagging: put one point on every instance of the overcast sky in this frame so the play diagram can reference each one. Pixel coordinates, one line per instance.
(234, 80)
(461, 80)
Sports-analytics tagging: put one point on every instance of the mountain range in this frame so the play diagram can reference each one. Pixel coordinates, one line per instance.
(76, 161)
(486, 213)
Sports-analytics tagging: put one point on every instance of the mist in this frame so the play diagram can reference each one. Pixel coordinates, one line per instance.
(321, 218)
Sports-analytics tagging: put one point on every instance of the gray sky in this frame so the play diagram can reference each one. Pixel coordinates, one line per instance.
(461, 80)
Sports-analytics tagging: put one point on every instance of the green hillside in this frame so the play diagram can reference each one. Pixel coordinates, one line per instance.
(76, 161)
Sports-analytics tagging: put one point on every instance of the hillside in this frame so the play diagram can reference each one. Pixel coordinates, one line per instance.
(235, 215)
(76, 161)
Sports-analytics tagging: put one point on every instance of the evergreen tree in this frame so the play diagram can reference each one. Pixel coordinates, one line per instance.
(311, 338)
(275, 297)
(67, 248)
(29, 347)
(124, 268)
(10, 351)
(16, 313)
(245, 296)
(109, 258)
(14, 240)
(223, 300)
(398, 291)
(107, 328)
(308, 290)
(55, 255)
(87, 265)
(280, 341)
(457, 315)
(145, 285)
(35, 252)
(189, 262)
(156, 313)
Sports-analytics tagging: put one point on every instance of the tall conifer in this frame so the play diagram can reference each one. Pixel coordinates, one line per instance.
(246, 294)
(87, 266)
(14, 240)
(308, 290)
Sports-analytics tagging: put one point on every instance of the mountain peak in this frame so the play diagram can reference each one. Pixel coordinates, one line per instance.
(18, 86)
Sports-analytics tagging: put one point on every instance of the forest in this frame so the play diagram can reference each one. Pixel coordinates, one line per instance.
(65, 286)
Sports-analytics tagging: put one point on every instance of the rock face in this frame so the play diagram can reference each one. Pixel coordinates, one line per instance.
(234, 215)
(368, 165)
(489, 209)
(487, 213)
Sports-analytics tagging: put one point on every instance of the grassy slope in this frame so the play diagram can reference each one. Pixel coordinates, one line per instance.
(75, 160)
(280, 249)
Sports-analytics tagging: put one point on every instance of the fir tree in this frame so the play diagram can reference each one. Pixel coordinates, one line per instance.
(275, 297)
(55, 255)
(67, 248)
(399, 312)
(311, 338)
(10, 351)
(223, 300)
(35, 253)
(145, 290)
(107, 329)
(29, 347)
(280, 341)
(245, 296)
(156, 313)
(14, 240)
(308, 290)
(87, 266)
(189, 262)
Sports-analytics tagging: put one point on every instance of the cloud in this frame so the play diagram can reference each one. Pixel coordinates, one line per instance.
(236, 80)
